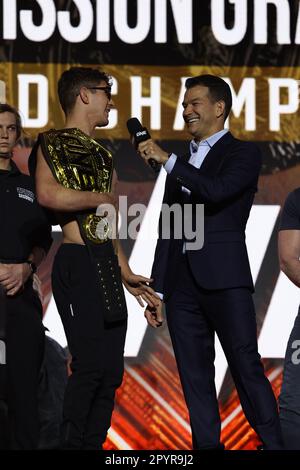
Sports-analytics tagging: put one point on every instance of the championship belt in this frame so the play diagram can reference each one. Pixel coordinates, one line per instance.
(79, 162)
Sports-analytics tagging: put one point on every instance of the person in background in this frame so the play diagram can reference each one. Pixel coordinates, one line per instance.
(289, 254)
(25, 238)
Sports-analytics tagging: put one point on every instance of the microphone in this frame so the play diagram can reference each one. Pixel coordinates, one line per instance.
(140, 134)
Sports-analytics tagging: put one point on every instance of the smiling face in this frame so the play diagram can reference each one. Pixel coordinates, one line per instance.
(100, 103)
(203, 117)
(8, 134)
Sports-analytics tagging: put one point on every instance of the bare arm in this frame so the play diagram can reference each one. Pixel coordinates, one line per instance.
(53, 195)
(136, 284)
(123, 262)
(289, 253)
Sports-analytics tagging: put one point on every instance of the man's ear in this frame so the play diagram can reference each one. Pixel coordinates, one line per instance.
(84, 95)
(220, 108)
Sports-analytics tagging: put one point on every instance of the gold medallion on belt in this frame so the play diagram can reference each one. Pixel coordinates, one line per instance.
(97, 228)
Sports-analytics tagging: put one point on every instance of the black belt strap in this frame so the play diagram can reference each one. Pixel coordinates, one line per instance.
(108, 274)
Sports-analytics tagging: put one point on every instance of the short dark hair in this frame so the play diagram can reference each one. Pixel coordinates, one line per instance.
(73, 79)
(6, 108)
(218, 89)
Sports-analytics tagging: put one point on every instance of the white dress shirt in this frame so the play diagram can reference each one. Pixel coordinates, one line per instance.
(198, 153)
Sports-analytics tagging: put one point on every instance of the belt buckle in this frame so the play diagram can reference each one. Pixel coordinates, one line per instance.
(97, 228)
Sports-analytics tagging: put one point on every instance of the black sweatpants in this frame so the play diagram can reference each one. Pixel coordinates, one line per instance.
(96, 347)
(24, 341)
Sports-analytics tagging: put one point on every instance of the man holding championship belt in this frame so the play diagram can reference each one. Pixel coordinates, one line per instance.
(74, 175)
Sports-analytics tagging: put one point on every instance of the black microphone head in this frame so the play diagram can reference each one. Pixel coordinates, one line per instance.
(137, 131)
(140, 134)
(134, 125)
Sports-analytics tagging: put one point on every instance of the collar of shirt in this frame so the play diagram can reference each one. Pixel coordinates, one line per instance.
(14, 170)
(200, 150)
(209, 142)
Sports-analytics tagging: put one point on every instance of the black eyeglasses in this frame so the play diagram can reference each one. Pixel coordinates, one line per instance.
(106, 89)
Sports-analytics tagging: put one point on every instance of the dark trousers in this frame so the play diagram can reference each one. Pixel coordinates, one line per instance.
(289, 399)
(194, 315)
(97, 350)
(24, 341)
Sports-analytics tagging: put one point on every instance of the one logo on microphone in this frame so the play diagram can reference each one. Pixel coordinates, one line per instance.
(138, 134)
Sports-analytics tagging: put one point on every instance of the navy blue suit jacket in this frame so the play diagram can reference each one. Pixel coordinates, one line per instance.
(226, 184)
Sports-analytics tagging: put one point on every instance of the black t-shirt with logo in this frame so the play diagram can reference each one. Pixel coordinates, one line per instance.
(290, 215)
(23, 223)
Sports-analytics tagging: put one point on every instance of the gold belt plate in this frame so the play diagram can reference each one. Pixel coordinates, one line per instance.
(97, 228)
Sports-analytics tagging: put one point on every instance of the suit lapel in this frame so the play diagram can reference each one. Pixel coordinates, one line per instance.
(210, 166)
(216, 155)
(175, 187)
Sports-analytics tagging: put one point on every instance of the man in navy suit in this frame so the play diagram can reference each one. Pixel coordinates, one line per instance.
(209, 290)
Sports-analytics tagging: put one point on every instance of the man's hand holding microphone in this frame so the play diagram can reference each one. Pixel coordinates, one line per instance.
(150, 150)
(145, 146)
(155, 157)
